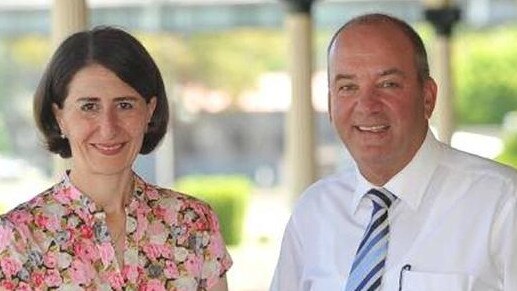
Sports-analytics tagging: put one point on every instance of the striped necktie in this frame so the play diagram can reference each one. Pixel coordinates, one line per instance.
(368, 266)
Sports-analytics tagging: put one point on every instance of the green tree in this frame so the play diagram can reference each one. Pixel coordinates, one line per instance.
(485, 67)
(233, 60)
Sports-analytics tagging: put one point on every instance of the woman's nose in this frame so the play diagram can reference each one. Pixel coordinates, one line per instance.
(108, 124)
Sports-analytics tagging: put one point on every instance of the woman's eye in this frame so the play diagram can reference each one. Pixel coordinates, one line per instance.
(126, 105)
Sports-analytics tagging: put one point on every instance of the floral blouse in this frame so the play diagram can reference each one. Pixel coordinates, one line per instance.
(60, 241)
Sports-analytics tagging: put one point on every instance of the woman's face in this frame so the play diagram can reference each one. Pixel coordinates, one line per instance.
(104, 120)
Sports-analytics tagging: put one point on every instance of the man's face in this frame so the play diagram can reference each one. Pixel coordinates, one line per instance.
(377, 105)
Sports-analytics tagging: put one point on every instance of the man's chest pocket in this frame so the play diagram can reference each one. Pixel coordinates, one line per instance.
(423, 281)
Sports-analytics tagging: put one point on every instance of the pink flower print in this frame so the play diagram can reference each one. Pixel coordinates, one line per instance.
(131, 273)
(211, 219)
(152, 251)
(156, 228)
(53, 278)
(54, 223)
(142, 224)
(81, 273)
(7, 285)
(50, 260)
(73, 193)
(84, 215)
(159, 212)
(62, 196)
(202, 223)
(193, 265)
(152, 285)
(41, 221)
(86, 231)
(10, 266)
(107, 253)
(199, 208)
(166, 251)
(171, 270)
(143, 209)
(22, 286)
(37, 278)
(115, 280)
(86, 250)
(19, 216)
(6, 233)
(216, 246)
(170, 216)
(152, 193)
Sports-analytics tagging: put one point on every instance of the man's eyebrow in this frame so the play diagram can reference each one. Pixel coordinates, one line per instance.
(344, 76)
(392, 71)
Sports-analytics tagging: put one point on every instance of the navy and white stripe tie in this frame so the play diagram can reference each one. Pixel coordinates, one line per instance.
(368, 266)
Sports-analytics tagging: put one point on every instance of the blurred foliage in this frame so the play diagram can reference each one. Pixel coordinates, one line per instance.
(171, 54)
(232, 61)
(5, 145)
(485, 70)
(30, 51)
(22, 59)
(227, 195)
(509, 154)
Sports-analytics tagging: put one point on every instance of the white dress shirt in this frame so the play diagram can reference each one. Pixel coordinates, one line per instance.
(454, 224)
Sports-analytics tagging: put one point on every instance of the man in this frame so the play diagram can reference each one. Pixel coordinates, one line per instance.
(436, 219)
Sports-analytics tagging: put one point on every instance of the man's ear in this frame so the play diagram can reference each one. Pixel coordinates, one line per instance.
(329, 106)
(429, 92)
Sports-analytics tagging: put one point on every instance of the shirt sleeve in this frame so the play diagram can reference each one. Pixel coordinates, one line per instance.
(217, 259)
(510, 270)
(12, 269)
(288, 272)
(504, 243)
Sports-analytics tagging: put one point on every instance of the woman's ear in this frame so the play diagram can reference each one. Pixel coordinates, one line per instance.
(58, 114)
(151, 106)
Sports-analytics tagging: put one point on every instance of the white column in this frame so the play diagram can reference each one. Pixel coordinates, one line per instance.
(300, 144)
(68, 17)
(444, 114)
(164, 154)
(443, 18)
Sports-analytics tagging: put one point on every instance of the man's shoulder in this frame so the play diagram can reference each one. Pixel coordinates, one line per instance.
(337, 187)
(468, 164)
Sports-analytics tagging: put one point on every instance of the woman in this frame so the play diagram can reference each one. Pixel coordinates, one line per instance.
(101, 101)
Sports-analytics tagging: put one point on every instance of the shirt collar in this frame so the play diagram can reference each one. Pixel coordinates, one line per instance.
(75, 197)
(410, 183)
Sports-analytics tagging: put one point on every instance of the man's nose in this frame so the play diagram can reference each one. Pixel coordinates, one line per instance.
(369, 99)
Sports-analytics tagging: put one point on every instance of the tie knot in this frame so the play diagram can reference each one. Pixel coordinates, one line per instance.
(381, 197)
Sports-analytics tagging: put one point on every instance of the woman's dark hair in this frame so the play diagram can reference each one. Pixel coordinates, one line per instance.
(115, 50)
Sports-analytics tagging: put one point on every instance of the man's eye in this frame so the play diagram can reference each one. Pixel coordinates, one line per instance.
(389, 84)
(347, 87)
(88, 107)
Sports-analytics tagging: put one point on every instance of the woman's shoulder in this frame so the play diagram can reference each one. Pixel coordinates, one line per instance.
(178, 208)
(26, 211)
(172, 199)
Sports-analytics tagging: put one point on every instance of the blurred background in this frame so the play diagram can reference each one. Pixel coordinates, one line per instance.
(246, 80)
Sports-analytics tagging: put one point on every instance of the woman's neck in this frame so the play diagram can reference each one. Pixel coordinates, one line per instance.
(109, 192)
